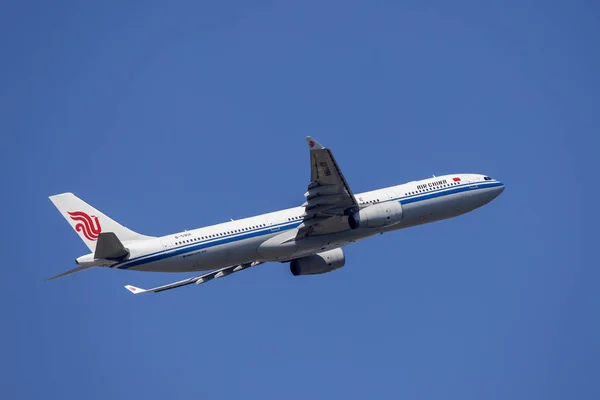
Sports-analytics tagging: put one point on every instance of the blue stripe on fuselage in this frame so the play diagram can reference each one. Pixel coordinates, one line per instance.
(187, 248)
(445, 191)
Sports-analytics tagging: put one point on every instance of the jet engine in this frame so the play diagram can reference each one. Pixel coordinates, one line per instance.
(376, 216)
(319, 263)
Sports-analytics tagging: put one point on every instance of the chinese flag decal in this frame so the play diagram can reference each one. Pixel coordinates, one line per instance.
(456, 179)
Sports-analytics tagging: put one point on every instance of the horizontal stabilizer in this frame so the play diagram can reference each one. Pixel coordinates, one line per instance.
(69, 272)
(109, 247)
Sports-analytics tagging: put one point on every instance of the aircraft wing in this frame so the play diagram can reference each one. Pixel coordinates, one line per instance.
(195, 279)
(329, 198)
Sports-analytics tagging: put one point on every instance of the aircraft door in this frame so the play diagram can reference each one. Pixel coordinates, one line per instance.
(166, 242)
(273, 227)
(392, 193)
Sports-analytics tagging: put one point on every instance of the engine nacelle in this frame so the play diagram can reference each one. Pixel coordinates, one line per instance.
(377, 215)
(319, 263)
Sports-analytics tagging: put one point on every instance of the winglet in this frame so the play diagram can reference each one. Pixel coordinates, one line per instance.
(313, 144)
(135, 290)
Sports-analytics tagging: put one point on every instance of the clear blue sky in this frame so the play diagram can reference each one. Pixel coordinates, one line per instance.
(173, 115)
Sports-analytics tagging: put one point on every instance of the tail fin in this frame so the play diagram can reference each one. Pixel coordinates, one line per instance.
(89, 222)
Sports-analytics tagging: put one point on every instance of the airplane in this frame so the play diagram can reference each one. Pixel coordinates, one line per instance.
(310, 237)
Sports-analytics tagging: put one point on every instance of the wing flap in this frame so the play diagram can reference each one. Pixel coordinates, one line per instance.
(326, 174)
(328, 196)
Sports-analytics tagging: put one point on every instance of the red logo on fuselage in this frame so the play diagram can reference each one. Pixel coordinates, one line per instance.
(85, 224)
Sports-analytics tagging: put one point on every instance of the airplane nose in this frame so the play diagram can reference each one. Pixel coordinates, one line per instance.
(499, 189)
(491, 193)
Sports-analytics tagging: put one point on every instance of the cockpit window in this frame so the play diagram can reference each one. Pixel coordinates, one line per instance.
(487, 178)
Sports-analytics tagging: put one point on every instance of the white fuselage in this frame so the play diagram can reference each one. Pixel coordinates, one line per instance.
(272, 237)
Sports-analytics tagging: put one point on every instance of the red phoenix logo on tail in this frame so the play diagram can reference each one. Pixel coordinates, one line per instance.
(89, 227)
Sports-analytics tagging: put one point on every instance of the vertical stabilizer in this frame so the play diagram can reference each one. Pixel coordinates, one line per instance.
(88, 222)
